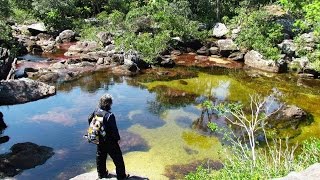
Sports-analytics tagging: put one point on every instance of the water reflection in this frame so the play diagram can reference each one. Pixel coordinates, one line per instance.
(222, 91)
(58, 115)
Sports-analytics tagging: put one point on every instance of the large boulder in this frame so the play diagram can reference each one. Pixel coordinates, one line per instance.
(256, 60)
(23, 156)
(23, 90)
(5, 63)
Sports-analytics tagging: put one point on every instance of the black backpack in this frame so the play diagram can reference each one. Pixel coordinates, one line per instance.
(96, 128)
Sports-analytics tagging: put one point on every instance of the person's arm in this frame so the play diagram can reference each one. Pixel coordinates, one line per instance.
(114, 128)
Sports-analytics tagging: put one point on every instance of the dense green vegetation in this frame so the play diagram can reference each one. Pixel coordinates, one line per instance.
(148, 26)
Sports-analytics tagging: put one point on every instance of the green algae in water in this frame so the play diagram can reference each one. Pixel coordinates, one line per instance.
(168, 146)
(238, 87)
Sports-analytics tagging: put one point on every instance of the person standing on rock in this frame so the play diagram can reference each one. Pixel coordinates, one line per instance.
(109, 144)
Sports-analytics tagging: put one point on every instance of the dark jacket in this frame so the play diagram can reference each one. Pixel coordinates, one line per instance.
(110, 125)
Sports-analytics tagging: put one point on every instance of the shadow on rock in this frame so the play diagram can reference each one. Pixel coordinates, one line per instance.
(133, 177)
(23, 156)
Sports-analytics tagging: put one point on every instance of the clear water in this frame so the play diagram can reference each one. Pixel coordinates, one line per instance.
(163, 118)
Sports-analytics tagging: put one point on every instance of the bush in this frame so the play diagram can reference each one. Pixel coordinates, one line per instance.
(150, 28)
(259, 31)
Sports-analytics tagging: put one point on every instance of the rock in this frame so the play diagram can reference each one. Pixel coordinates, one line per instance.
(214, 50)
(255, 59)
(219, 30)
(235, 32)
(179, 171)
(66, 36)
(132, 142)
(289, 116)
(124, 70)
(58, 65)
(203, 51)
(288, 47)
(37, 28)
(47, 45)
(176, 53)
(237, 56)
(94, 175)
(23, 156)
(49, 77)
(82, 47)
(110, 47)
(23, 90)
(5, 63)
(106, 38)
(165, 61)
(311, 173)
(226, 47)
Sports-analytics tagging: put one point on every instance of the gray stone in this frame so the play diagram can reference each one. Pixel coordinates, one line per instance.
(105, 37)
(203, 51)
(237, 56)
(214, 50)
(5, 63)
(66, 36)
(288, 47)
(311, 173)
(256, 60)
(23, 90)
(226, 47)
(219, 30)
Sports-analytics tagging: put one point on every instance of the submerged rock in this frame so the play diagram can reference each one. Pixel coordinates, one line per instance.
(23, 90)
(132, 142)
(289, 116)
(23, 156)
(178, 171)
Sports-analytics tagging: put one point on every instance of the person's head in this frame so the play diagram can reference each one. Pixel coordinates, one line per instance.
(105, 102)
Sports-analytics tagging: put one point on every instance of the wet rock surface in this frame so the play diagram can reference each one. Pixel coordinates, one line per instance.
(23, 156)
(23, 90)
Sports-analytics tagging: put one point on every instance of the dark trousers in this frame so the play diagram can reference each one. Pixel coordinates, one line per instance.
(112, 148)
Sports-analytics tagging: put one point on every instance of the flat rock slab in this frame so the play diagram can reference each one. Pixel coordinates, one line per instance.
(23, 90)
(94, 175)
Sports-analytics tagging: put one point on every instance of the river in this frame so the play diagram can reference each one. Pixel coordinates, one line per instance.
(159, 109)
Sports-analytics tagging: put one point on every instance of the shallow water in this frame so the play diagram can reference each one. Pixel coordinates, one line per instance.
(161, 112)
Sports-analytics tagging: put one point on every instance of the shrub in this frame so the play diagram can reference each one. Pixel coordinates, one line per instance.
(259, 31)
